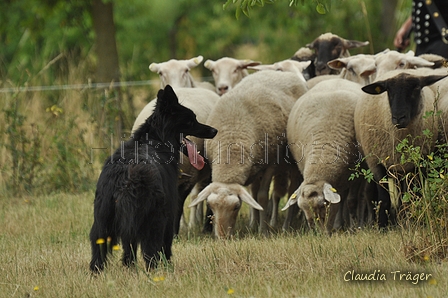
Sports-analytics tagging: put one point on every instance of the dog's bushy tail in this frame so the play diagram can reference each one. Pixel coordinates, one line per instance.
(139, 193)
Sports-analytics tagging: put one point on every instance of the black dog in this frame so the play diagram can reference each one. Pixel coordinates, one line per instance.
(136, 196)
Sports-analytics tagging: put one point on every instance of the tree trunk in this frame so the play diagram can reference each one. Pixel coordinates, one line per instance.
(107, 59)
(105, 44)
(388, 26)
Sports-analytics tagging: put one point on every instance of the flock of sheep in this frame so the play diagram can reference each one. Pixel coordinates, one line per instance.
(301, 125)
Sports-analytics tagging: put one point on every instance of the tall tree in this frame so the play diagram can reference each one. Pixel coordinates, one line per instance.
(105, 43)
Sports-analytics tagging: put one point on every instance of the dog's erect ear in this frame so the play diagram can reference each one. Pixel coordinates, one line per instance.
(166, 98)
(169, 95)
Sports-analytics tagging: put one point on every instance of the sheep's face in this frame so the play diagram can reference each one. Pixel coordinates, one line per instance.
(329, 46)
(314, 198)
(391, 60)
(225, 199)
(227, 72)
(176, 72)
(327, 50)
(404, 92)
(225, 206)
(177, 78)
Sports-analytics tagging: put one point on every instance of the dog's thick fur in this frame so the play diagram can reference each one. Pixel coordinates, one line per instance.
(136, 197)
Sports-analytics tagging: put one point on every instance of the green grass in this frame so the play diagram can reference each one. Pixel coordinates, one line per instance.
(45, 252)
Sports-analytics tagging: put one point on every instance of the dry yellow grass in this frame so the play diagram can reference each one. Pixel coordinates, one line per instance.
(45, 252)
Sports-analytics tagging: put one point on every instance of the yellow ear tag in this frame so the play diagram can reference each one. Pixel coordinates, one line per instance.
(378, 89)
(293, 196)
(333, 189)
(339, 64)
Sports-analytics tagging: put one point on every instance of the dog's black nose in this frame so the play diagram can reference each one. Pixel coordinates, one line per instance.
(213, 132)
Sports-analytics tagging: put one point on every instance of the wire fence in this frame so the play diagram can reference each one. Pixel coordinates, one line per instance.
(84, 86)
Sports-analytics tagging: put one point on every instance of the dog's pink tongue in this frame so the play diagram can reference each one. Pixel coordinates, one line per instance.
(196, 159)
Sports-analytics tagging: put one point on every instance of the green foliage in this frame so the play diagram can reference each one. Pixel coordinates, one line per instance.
(425, 202)
(245, 6)
(23, 142)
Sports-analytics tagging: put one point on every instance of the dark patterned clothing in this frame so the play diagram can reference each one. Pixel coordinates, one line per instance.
(426, 34)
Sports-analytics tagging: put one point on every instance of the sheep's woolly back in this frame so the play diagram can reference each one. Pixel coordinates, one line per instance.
(248, 117)
(321, 133)
(379, 137)
(200, 101)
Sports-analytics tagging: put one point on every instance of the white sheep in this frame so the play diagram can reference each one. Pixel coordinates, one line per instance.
(383, 119)
(251, 120)
(177, 73)
(201, 102)
(390, 60)
(227, 72)
(306, 54)
(321, 138)
(329, 46)
(289, 65)
(358, 68)
(280, 181)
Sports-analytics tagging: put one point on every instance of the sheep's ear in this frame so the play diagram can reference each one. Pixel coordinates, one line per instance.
(418, 62)
(429, 80)
(202, 196)
(330, 194)
(375, 88)
(209, 64)
(262, 67)
(369, 70)
(350, 44)
(292, 200)
(246, 197)
(247, 63)
(154, 67)
(337, 63)
(193, 62)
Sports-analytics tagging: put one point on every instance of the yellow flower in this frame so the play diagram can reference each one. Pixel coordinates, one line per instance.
(429, 157)
(116, 247)
(432, 281)
(158, 278)
(230, 291)
(100, 241)
(426, 258)
(36, 288)
(55, 110)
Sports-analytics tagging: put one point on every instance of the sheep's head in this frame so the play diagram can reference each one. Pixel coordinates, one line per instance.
(225, 200)
(358, 68)
(390, 60)
(404, 92)
(176, 72)
(313, 199)
(227, 72)
(289, 65)
(328, 47)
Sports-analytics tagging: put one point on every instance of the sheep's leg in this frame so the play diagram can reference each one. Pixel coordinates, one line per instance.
(254, 214)
(263, 199)
(295, 179)
(383, 198)
(183, 190)
(335, 210)
(280, 189)
(196, 212)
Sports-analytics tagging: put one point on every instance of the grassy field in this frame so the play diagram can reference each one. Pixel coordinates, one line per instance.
(45, 252)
